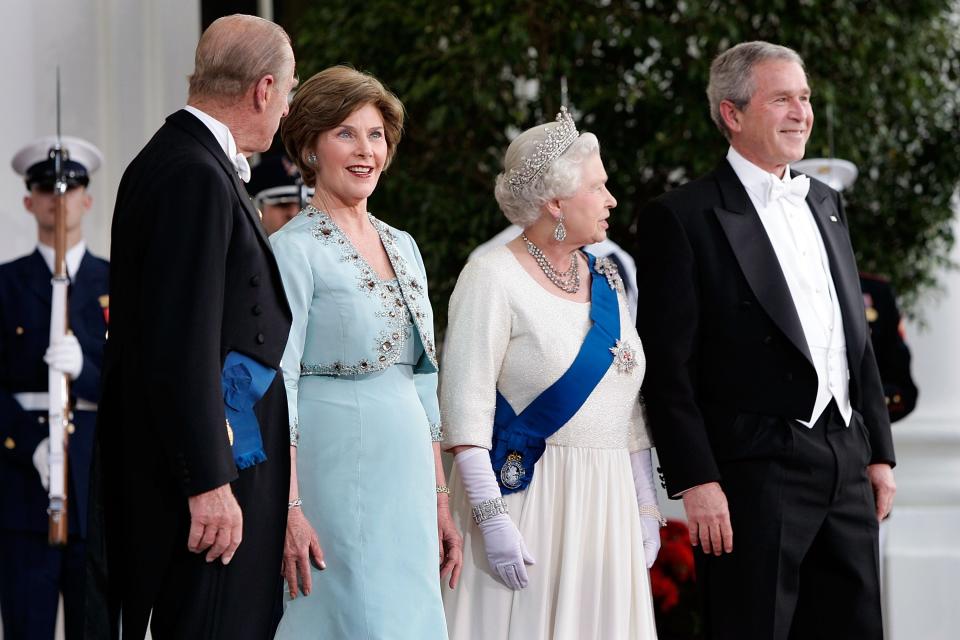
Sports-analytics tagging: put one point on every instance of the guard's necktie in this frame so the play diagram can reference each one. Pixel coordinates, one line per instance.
(794, 189)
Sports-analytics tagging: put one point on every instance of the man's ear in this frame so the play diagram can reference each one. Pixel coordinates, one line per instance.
(28, 203)
(87, 200)
(730, 115)
(261, 92)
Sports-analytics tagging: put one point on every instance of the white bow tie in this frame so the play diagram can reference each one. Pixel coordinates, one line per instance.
(794, 189)
(243, 167)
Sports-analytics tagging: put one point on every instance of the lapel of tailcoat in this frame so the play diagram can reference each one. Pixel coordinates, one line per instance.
(843, 269)
(756, 257)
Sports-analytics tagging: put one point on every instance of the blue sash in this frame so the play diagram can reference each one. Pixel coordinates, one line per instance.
(244, 382)
(520, 440)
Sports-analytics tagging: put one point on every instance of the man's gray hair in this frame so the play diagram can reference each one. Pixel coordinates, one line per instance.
(731, 75)
(560, 181)
(235, 52)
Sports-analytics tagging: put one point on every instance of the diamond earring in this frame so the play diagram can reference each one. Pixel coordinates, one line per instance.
(560, 233)
(312, 158)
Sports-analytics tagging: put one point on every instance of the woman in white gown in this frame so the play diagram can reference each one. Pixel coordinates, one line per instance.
(557, 506)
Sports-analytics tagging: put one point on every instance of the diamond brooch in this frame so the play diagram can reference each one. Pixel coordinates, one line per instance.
(607, 267)
(512, 472)
(624, 357)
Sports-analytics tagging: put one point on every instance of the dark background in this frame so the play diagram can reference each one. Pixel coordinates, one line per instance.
(474, 73)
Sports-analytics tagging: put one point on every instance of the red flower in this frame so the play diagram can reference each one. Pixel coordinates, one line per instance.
(676, 558)
(674, 531)
(665, 592)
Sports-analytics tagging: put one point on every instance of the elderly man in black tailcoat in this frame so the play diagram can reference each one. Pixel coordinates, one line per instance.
(191, 529)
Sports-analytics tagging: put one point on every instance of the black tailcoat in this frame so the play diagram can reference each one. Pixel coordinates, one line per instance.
(728, 367)
(192, 278)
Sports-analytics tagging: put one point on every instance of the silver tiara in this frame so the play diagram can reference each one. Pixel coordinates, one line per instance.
(558, 140)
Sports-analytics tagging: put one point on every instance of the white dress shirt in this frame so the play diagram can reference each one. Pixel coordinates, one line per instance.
(222, 133)
(799, 248)
(74, 256)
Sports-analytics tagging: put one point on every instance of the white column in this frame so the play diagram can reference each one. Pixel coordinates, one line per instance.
(922, 554)
(123, 66)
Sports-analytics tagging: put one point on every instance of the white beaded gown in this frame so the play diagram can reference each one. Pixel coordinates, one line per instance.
(579, 516)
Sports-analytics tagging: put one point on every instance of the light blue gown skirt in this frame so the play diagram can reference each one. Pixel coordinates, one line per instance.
(366, 476)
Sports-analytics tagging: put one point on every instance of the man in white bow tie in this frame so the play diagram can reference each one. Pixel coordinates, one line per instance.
(762, 387)
(194, 279)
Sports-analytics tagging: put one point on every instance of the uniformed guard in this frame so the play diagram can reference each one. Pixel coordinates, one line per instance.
(33, 574)
(277, 189)
(887, 336)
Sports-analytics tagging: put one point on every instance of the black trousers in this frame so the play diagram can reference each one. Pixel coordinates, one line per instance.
(805, 540)
(32, 576)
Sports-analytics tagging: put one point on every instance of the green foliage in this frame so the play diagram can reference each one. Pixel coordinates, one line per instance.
(472, 74)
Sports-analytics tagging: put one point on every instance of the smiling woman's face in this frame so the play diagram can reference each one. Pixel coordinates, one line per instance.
(350, 157)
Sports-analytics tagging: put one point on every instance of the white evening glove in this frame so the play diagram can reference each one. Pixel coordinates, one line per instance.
(41, 462)
(65, 355)
(641, 463)
(506, 551)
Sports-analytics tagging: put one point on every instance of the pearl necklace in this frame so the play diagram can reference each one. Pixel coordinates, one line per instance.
(568, 281)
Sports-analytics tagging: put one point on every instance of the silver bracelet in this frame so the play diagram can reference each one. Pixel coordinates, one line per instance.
(296, 502)
(652, 511)
(295, 433)
(489, 508)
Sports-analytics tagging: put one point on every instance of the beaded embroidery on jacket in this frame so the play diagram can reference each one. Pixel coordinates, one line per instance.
(400, 300)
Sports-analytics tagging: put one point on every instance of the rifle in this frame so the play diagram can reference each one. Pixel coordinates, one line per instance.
(59, 412)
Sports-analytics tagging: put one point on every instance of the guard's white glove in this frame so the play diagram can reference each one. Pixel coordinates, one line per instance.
(506, 551)
(65, 355)
(41, 462)
(641, 463)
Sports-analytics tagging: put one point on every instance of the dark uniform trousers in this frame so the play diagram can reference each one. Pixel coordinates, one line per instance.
(805, 538)
(32, 574)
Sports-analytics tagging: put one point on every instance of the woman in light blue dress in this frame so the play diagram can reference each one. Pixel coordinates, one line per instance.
(360, 369)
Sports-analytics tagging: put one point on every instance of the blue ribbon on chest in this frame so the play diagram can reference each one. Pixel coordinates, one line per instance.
(244, 382)
(520, 440)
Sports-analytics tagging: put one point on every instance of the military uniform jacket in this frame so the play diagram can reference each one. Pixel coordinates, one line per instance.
(893, 355)
(193, 277)
(25, 298)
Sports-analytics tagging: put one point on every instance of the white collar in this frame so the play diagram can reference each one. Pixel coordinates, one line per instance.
(74, 256)
(225, 138)
(754, 179)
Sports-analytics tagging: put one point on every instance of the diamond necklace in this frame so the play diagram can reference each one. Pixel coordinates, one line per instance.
(568, 281)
